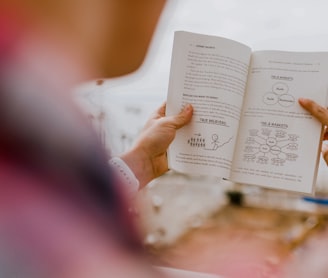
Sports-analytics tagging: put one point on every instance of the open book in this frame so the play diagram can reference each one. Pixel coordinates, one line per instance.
(247, 125)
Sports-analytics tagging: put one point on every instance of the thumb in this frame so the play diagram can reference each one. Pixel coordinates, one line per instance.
(183, 117)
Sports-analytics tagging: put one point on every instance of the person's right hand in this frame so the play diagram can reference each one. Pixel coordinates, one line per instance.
(147, 157)
(320, 113)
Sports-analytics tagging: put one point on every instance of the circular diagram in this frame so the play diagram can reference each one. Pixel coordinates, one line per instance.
(279, 95)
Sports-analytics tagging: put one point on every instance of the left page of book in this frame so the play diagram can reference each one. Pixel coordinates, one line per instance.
(210, 73)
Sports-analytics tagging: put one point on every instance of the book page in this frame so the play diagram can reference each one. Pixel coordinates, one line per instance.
(210, 73)
(279, 141)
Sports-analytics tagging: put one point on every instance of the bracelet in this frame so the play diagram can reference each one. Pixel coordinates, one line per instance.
(125, 174)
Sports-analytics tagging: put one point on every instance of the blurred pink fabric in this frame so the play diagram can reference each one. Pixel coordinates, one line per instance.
(62, 210)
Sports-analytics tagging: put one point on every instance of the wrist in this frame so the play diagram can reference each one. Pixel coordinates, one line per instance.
(140, 164)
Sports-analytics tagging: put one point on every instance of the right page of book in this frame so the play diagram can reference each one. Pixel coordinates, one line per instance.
(279, 142)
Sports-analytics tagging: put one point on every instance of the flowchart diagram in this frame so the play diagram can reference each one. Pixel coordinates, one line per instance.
(271, 146)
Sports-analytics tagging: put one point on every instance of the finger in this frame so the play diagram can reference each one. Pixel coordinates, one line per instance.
(160, 112)
(325, 133)
(324, 151)
(315, 109)
(183, 117)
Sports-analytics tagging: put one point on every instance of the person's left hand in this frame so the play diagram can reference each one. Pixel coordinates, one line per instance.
(147, 158)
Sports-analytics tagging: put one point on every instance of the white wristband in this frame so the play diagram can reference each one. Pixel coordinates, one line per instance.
(128, 178)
